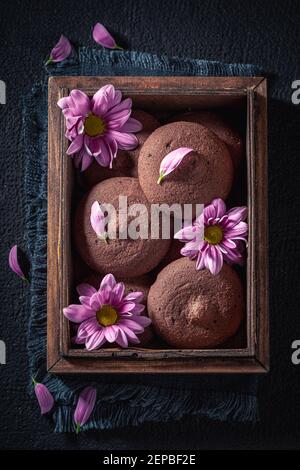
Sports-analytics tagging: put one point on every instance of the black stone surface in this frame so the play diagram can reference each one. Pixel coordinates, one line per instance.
(265, 33)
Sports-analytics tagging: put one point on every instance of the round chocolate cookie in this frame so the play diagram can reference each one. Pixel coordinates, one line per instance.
(121, 257)
(126, 162)
(203, 174)
(140, 284)
(194, 309)
(219, 127)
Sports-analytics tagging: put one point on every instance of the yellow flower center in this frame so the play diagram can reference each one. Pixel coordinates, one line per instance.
(94, 125)
(107, 315)
(213, 234)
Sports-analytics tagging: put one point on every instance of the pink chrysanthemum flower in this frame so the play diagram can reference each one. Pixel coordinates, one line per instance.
(107, 315)
(98, 126)
(222, 240)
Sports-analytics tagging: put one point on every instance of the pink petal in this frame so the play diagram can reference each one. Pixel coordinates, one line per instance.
(119, 120)
(84, 300)
(76, 145)
(14, 263)
(108, 282)
(209, 212)
(132, 125)
(101, 160)
(97, 219)
(138, 308)
(82, 160)
(96, 301)
(136, 296)
(105, 158)
(233, 257)
(44, 397)
(64, 102)
(135, 327)
(103, 37)
(104, 294)
(171, 161)
(241, 229)
(220, 207)
(187, 233)
(88, 328)
(117, 294)
(130, 334)
(237, 214)
(78, 313)
(213, 259)
(86, 289)
(121, 339)
(93, 145)
(71, 121)
(85, 406)
(124, 105)
(100, 101)
(95, 341)
(125, 141)
(200, 261)
(191, 248)
(87, 160)
(112, 98)
(112, 146)
(81, 104)
(77, 340)
(116, 100)
(61, 50)
(142, 320)
(126, 307)
(228, 244)
(110, 334)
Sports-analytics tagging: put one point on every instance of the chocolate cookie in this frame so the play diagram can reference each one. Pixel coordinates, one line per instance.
(219, 127)
(121, 257)
(203, 174)
(141, 284)
(126, 163)
(194, 309)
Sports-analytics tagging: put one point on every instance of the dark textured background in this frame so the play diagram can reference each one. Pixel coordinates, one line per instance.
(266, 33)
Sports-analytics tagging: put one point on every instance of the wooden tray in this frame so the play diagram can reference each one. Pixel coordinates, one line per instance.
(244, 98)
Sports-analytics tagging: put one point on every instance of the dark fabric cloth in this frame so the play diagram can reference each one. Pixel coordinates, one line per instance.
(121, 400)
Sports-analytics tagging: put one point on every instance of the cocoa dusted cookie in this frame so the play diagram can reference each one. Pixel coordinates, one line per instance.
(126, 163)
(140, 284)
(121, 257)
(203, 174)
(217, 125)
(195, 309)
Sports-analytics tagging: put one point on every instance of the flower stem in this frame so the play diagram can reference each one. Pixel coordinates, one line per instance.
(119, 47)
(49, 61)
(34, 381)
(160, 179)
(104, 238)
(77, 430)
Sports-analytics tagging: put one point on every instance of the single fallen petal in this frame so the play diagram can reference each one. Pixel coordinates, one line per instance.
(14, 263)
(60, 51)
(98, 221)
(85, 406)
(171, 161)
(103, 37)
(44, 397)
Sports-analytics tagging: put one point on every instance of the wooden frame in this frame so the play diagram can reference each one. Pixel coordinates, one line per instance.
(165, 93)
